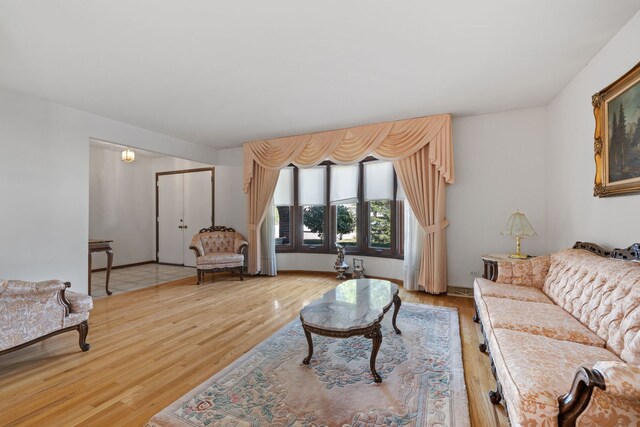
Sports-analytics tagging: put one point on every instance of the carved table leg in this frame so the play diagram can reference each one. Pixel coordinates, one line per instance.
(109, 263)
(397, 302)
(376, 337)
(310, 343)
(83, 329)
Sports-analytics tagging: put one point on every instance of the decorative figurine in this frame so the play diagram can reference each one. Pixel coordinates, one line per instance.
(340, 266)
(358, 268)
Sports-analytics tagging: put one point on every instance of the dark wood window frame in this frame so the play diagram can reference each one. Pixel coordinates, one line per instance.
(362, 248)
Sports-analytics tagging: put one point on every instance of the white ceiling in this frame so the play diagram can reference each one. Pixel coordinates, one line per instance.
(222, 73)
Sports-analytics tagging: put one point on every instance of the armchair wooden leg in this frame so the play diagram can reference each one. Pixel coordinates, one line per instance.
(83, 330)
(199, 277)
(241, 277)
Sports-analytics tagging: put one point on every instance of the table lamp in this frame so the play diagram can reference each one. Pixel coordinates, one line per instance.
(518, 226)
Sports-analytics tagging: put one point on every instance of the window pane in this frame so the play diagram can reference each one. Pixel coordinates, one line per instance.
(378, 181)
(344, 184)
(283, 196)
(311, 186)
(346, 222)
(313, 225)
(380, 224)
(282, 225)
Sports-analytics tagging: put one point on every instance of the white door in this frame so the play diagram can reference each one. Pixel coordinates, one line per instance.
(184, 207)
(170, 218)
(198, 188)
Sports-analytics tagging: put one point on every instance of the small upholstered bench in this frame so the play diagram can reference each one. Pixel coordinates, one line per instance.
(33, 311)
(219, 248)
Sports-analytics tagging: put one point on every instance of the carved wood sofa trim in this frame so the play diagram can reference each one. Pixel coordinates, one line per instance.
(241, 250)
(632, 253)
(576, 401)
(573, 403)
(82, 328)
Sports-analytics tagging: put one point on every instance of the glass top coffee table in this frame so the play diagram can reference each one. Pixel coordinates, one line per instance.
(354, 307)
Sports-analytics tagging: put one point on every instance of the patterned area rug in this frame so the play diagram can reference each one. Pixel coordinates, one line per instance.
(422, 380)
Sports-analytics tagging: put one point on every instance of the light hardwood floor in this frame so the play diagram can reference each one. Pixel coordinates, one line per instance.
(151, 346)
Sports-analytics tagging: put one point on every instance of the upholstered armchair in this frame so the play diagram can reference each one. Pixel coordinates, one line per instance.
(33, 311)
(219, 248)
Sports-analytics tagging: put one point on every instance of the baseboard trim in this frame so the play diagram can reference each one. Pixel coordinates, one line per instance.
(458, 291)
(115, 267)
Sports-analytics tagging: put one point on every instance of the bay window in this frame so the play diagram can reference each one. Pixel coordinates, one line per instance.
(353, 205)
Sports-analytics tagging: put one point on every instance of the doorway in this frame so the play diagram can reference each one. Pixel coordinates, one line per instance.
(123, 210)
(184, 205)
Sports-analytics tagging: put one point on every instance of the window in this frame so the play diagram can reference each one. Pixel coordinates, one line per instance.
(312, 203)
(352, 205)
(379, 196)
(283, 205)
(344, 203)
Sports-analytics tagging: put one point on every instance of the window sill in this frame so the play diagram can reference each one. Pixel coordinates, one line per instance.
(323, 251)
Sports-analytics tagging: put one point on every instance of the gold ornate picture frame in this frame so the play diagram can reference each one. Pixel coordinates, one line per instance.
(617, 136)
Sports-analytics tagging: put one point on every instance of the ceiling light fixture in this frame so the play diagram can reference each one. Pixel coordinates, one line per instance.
(128, 155)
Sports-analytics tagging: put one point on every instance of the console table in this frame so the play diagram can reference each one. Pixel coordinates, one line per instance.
(101, 245)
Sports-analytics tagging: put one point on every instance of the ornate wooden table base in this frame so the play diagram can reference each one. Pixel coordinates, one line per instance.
(336, 316)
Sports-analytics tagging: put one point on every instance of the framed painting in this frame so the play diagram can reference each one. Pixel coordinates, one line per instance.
(617, 136)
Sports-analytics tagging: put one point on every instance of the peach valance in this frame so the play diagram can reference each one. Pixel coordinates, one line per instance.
(386, 141)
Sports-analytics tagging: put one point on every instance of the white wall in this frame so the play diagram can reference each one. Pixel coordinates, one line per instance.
(500, 167)
(44, 183)
(121, 206)
(573, 213)
(231, 202)
(169, 164)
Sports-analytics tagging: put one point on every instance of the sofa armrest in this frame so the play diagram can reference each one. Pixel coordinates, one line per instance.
(49, 289)
(239, 245)
(528, 272)
(608, 394)
(196, 245)
(620, 379)
(19, 287)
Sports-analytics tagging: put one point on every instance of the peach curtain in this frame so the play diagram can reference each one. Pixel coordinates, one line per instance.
(392, 141)
(424, 187)
(263, 187)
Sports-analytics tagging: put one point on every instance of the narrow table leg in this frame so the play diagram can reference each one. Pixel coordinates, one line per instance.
(376, 337)
(89, 279)
(397, 302)
(109, 263)
(310, 343)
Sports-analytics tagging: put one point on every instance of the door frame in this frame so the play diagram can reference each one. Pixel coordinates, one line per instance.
(176, 172)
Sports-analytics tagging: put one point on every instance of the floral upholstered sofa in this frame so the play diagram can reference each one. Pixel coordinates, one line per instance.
(563, 335)
(33, 311)
(219, 248)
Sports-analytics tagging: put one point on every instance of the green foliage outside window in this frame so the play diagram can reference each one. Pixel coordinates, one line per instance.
(380, 223)
(313, 219)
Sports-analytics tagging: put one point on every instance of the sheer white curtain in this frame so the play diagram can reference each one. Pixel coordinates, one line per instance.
(413, 238)
(268, 242)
